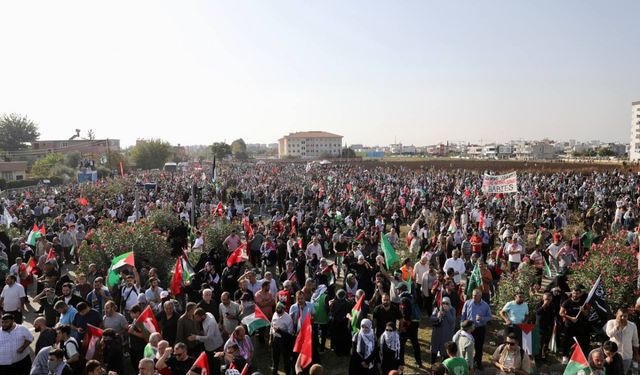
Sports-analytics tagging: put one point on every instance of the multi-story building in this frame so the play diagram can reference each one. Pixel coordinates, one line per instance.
(634, 146)
(84, 146)
(311, 144)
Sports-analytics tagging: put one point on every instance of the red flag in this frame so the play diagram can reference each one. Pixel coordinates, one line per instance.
(245, 369)
(236, 256)
(121, 169)
(35, 228)
(293, 230)
(83, 201)
(203, 363)
(147, 321)
(91, 341)
(43, 231)
(360, 236)
(481, 224)
(303, 343)
(176, 281)
(220, 209)
(31, 265)
(248, 230)
(51, 255)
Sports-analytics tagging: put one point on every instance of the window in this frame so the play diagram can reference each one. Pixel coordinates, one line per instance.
(7, 176)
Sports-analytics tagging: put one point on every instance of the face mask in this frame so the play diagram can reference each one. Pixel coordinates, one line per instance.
(52, 365)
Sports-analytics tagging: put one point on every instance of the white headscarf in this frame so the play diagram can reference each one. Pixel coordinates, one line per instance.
(392, 339)
(365, 339)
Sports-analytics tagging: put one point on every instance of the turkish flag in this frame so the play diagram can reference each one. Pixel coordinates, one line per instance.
(303, 343)
(236, 256)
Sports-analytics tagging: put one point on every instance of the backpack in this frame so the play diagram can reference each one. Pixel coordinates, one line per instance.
(503, 347)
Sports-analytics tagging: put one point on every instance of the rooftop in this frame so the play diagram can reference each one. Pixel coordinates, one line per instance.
(312, 134)
(13, 166)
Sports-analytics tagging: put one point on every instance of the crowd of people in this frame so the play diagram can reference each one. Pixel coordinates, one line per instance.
(313, 247)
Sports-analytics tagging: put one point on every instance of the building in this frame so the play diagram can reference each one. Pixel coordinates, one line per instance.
(634, 146)
(311, 144)
(13, 170)
(83, 146)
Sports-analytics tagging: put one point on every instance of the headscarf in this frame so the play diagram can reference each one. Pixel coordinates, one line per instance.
(392, 339)
(365, 341)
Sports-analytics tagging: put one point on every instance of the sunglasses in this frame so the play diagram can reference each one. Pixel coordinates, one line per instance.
(511, 343)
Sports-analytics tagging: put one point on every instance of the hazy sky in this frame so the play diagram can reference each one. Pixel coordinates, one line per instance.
(196, 72)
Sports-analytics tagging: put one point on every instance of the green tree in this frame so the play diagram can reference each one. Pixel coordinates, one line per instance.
(220, 150)
(605, 151)
(42, 167)
(150, 154)
(348, 153)
(15, 131)
(91, 135)
(239, 149)
(72, 159)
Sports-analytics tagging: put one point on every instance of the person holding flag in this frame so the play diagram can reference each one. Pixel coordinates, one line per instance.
(479, 312)
(576, 322)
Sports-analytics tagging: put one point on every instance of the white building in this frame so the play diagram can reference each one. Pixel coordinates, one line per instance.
(311, 144)
(634, 146)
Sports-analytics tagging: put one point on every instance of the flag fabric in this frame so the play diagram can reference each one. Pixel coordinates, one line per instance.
(303, 344)
(147, 321)
(390, 256)
(51, 255)
(592, 292)
(355, 315)
(8, 218)
(256, 320)
(527, 342)
(452, 226)
(187, 271)
(577, 363)
(121, 169)
(202, 363)
(553, 344)
(245, 369)
(547, 270)
(248, 230)
(214, 173)
(117, 263)
(31, 265)
(176, 280)
(481, 223)
(236, 256)
(33, 235)
(91, 341)
(475, 280)
(83, 201)
(43, 232)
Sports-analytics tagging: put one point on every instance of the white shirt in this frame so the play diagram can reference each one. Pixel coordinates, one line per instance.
(12, 297)
(625, 338)
(514, 258)
(313, 249)
(133, 297)
(198, 244)
(10, 342)
(418, 271)
(457, 265)
(282, 322)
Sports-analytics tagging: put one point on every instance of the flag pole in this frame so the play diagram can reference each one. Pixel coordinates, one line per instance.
(578, 346)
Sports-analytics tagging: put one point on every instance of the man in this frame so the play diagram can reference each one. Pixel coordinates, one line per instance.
(137, 338)
(14, 343)
(466, 344)
(13, 298)
(146, 367)
(299, 311)
(176, 359)
(513, 313)
(153, 294)
(211, 337)
(47, 335)
(576, 323)
(93, 367)
(510, 358)
(208, 304)
(84, 317)
(129, 295)
(478, 312)
(57, 365)
(68, 297)
(168, 321)
(281, 339)
(114, 320)
(40, 364)
(457, 264)
(454, 363)
(514, 251)
(286, 294)
(596, 362)
(545, 319)
(385, 313)
(419, 270)
(625, 334)
(98, 296)
(70, 347)
(67, 313)
(232, 241)
(314, 248)
(187, 326)
(229, 314)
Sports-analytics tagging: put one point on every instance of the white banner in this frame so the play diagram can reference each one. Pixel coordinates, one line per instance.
(504, 183)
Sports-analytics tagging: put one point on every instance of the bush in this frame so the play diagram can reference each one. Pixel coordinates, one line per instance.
(165, 220)
(509, 284)
(111, 239)
(615, 261)
(214, 234)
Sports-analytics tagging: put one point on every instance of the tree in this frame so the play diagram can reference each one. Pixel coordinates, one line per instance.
(42, 168)
(72, 159)
(150, 154)
(348, 153)
(239, 149)
(220, 150)
(15, 131)
(91, 135)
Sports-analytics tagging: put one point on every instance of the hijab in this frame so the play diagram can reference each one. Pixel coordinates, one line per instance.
(392, 339)
(365, 339)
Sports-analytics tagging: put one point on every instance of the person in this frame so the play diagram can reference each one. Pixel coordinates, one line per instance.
(40, 364)
(510, 358)
(409, 325)
(114, 320)
(340, 330)
(137, 337)
(576, 323)
(596, 362)
(71, 348)
(152, 294)
(437, 369)
(364, 350)
(478, 312)
(151, 348)
(84, 317)
(299, 310)
(444, 322)
(385, 313)
(47, 335)
(316, 369)
(455, 364)
(112, 354)
(98, 296)
(625, 335)
(465, 343)
(281, 339)
(47, 300)
(68, 296)
(168, 320)
(14, 343)
(457, 264)
(13, 298)
(390, 353)
(613, 364)
(93, 367)
(146, 367)
(188, 326)
(240, 338)
(513, 313)
(57, 365)
(229, 314)
(266, 303)
(211, 337)
(177, 359)
(209, 304)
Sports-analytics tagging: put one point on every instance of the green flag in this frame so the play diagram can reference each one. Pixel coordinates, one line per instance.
(117, 263)
(547, 270)
(475, 280)
(390, 256)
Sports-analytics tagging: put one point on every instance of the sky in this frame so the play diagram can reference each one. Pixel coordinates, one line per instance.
(375, 72)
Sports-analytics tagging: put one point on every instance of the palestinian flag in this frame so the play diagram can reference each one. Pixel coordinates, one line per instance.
(390, 256)
(256, 320)
(117, 263)
(33, 236)
(355, 315)
(475, 280)
(147, 322)
(237, 256)
(31, 265)
(577, 363)
(176, 280)
(202, 363)
(43, 232)
(304, 343)
(91, 341)
(187, 271)
(452, 226)
(527, 337)
(51, 255)
(328, 270)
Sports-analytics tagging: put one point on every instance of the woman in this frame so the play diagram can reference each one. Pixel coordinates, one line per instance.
(444, 323)
(390, 358)
(340, 330)
(363, 350)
